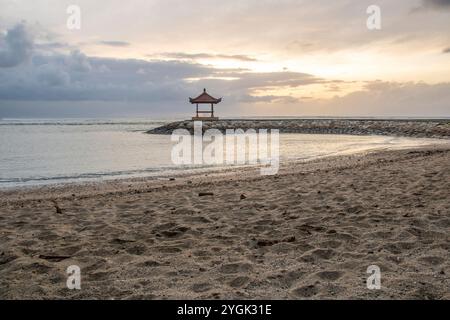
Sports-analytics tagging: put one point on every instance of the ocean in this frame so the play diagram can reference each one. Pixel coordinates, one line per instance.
(50, 151)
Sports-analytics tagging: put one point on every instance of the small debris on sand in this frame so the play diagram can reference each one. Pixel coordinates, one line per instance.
(202, 194)
(57, 207)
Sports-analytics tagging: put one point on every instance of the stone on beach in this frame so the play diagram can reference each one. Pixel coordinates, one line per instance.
(434, 128)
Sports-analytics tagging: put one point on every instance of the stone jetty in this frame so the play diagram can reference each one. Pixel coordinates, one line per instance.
(420, 128)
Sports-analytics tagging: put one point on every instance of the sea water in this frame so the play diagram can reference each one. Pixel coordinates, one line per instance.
(48, 151)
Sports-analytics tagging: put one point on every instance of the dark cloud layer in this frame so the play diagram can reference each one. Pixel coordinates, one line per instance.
(40, 81)
(113, 43)
(194, 56)
(437, 3)
(15, 47)
(78, 77)
(433, 5)
(51, 76)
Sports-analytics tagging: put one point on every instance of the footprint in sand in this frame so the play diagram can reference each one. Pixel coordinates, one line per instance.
(399, 247)
(202, 253)
(138, 249)
(239, 282)
(37, 267)
(236, 267)
(149, 264)
(201, 287)
(317, 254)
(99, 276)
(330, 275)
(331, 244)
(443, 223)
(175, 232)
(286, 280)
(197, 219)
(183, 211)
(168, 249)
(432, 260)
(323, 253)
(164, 226)
(6, 258)
(340, 235)
(306, 291)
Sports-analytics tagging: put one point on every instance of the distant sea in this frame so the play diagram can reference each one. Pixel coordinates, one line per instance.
(48, 151)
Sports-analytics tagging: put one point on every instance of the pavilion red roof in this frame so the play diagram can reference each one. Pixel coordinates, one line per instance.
(205, 98)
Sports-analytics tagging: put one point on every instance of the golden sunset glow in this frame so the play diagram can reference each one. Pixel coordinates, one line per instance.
(292, 55)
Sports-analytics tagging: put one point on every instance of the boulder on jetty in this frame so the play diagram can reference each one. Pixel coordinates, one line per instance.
(423, 128)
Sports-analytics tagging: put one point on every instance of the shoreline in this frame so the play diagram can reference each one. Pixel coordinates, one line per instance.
(72, 190)
(171, 173)
(309, 232)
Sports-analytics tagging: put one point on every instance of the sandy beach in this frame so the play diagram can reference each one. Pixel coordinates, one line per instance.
(309, 232)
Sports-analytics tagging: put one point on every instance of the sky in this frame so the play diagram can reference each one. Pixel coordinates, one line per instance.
(264, 57)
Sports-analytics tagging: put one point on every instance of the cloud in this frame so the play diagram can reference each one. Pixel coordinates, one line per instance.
(440, 4)
(432, 5)
(268, 99)
(77, 77)
(158, 86)
(114, 43)
(446, 50)
(395, 99)
(146, 87)
(52, 76)
(72, 78)
(51, 46)
(78, 62)
(57, 76)
(195, 56)
(270, 80)
(16, 46)
(377, 98)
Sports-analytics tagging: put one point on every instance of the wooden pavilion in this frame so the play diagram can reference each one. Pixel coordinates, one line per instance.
(205, 98)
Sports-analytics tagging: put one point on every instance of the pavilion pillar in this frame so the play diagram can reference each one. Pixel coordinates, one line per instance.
(204, 99)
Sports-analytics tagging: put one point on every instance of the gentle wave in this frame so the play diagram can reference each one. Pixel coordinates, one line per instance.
(161, 171)
(81, 123)
(83, 150)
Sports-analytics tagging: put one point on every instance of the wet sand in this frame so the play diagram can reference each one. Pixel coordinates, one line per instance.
(309, 232)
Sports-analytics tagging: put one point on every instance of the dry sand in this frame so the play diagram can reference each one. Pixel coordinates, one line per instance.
(309, 232)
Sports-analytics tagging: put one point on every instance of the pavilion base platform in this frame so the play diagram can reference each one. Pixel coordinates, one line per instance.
(205, 118)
